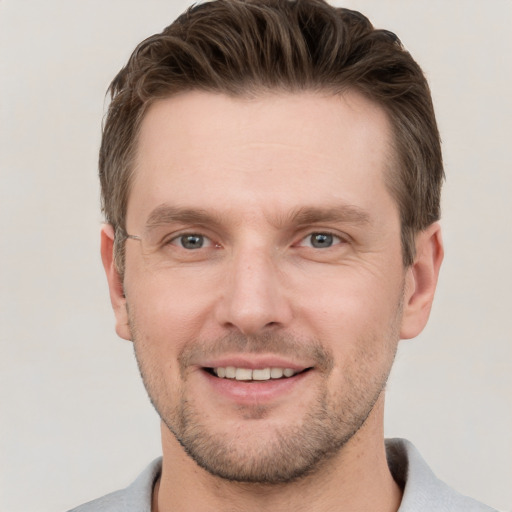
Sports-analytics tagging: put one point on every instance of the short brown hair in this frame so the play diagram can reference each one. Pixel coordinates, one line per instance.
(242, 47)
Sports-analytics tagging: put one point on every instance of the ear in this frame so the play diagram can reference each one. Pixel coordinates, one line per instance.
(421, 281)
(115, 283)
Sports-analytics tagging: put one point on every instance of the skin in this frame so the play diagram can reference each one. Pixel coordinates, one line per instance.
(265, 174)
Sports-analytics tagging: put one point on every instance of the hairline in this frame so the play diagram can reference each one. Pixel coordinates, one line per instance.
(392, 168)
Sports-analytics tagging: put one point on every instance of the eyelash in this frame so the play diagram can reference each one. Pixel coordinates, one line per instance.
(340, 240)
(183, 235)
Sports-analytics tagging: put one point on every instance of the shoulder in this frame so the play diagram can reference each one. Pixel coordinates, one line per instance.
(423, 491)
(136, 497)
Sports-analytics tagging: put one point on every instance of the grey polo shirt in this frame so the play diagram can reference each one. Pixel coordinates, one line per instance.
(423, 491)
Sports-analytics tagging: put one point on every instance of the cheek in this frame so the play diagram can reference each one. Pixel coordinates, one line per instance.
(169, 309)
(356, 315)
(350, 296)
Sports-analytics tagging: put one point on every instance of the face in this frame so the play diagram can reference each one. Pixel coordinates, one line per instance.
(264, 291)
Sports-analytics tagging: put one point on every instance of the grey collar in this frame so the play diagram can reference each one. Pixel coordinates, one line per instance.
(423, 491)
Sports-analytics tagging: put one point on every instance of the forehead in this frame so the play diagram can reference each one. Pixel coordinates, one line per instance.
(277, 149)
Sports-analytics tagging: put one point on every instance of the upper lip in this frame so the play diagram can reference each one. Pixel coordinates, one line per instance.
(255, 362)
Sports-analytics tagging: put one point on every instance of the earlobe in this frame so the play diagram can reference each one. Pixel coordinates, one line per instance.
(115, 283)
(421, 281)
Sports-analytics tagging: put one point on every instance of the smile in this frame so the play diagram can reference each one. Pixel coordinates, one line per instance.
(248, 374)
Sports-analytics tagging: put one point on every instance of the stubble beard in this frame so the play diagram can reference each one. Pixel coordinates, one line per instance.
(285, 453)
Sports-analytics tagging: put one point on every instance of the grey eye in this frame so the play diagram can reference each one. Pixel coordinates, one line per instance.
(191, 241)
(321, 240)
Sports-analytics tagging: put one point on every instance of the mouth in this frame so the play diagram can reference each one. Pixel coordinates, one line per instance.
(247, 380)
(254, 374)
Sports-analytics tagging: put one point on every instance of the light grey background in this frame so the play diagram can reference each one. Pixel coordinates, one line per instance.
(75, 421)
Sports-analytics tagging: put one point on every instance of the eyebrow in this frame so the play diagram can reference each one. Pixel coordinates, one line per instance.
(338, 213)
(167, 214)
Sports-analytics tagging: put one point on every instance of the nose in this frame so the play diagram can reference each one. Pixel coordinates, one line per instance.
(253, 298)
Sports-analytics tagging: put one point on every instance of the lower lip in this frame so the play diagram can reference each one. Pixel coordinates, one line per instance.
(244, 392)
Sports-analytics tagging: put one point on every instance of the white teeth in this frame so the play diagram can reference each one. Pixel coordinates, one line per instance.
(276, 373)
(230, 372)
(243, 374)
(263, 374)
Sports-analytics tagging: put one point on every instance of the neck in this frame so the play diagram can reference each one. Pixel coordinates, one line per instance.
(355, 479)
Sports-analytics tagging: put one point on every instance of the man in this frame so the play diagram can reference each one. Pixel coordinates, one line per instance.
(271, 175)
